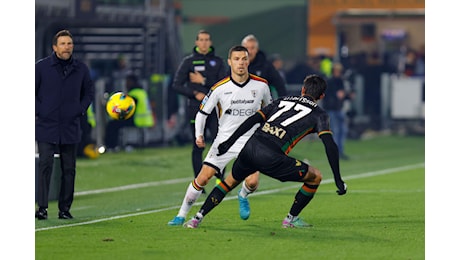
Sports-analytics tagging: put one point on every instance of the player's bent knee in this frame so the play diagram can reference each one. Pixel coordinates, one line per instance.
(314, 176)
(252, 181)
(205, 175)
(318, 176)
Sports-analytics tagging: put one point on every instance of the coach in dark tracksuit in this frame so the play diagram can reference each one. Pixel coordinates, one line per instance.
(196, 74)
(259, 65)
(63, 92)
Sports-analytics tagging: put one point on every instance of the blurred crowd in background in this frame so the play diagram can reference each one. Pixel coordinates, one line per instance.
(146, 40)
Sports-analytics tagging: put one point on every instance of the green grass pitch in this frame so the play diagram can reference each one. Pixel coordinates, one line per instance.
(123, 202)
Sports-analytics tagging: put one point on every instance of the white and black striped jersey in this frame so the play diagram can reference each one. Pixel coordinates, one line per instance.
(235, 103)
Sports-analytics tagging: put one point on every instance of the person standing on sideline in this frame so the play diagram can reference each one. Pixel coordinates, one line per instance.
(238, 97)
(195, 76)
(259, 65)
(333, 103)
(278, 62)
(282, 125)
(63, 92)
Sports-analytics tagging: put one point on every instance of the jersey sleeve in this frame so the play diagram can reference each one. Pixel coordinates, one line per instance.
(267, 98)
(210, 101)
(323, 126)
(200, 122)
(264, 111)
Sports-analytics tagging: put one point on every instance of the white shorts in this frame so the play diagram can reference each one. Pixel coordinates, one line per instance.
(221, 161)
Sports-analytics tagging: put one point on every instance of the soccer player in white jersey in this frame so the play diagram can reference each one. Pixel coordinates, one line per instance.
(236, 97)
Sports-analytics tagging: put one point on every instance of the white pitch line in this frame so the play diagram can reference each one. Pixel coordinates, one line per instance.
(141, 185)
(133, 186)
(185, 180)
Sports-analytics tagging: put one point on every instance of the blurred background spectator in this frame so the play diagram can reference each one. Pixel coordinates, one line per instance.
(195, 76)
(333, 102)
(301, 68)
(278, 62)
(259, 65)
(149, 39)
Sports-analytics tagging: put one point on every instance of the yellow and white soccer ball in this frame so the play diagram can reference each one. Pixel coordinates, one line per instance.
(120, 106)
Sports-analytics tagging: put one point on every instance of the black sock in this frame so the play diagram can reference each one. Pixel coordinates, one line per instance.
(215, 197)
(302, 198)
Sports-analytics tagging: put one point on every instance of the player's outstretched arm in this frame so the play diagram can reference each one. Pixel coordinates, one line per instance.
(333, 157)
(243, 128)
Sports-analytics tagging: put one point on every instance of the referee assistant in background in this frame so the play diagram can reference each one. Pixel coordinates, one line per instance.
(195, 76)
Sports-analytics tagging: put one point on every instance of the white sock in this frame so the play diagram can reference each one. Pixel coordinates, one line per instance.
(245, 191)
(199, 216)
(190, 197)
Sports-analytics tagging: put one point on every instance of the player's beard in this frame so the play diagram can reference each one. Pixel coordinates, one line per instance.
(64, 55)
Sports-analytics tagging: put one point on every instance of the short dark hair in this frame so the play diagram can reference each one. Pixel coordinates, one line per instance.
(236, 48)
(314, 85)
(203, 31)
(61, 33)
